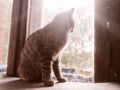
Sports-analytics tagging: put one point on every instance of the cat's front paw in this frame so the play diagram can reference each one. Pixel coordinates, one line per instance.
(49, 83)
(62, 80)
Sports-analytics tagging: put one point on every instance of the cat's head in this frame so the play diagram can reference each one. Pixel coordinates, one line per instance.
(65, 20)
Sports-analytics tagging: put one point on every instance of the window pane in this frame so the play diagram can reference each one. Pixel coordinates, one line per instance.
(5, 21)
(78, 55)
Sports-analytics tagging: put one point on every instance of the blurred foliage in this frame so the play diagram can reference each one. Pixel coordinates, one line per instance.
(79, 51)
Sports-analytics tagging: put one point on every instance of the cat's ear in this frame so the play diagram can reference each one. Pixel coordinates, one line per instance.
(71, 11)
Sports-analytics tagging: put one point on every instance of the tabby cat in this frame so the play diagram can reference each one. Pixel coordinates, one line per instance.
(41, 51)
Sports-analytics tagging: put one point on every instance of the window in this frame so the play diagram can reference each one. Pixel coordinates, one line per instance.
(5, 21)
(78, 56)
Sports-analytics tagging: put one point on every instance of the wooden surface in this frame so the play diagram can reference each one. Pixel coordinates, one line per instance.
(107, 40)
(114, 31)
(7, 83)
(102, 53)
(26, 18)
(17, 34)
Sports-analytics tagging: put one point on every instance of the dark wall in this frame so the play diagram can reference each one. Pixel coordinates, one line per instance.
(107, 40)
(114, 34)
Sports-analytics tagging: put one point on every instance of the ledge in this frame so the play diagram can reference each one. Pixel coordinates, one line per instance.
(11, 83)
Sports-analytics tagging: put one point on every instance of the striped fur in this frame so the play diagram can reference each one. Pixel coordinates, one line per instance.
(42, 49)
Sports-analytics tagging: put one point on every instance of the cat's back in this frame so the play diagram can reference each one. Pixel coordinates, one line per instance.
(31, 47)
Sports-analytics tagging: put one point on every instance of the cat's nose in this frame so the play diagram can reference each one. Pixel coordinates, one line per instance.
(71, 30)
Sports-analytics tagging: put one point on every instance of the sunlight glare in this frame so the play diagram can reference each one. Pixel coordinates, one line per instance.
(80, 49)
(52, 5)
(64, 5)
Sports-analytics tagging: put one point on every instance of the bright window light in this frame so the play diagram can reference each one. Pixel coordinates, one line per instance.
(79, 53)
